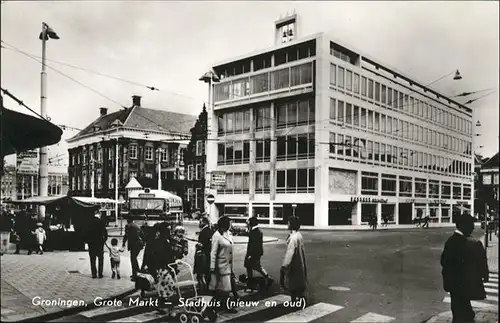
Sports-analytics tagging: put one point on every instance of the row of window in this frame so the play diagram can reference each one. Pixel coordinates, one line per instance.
(288, 114)
(165, 154)
(386, 96)
(287, 181)
(487, 179)
(350, 115)
(264, 82)
(283, 56)
(412, 187)
(368, 151)
(291, 147)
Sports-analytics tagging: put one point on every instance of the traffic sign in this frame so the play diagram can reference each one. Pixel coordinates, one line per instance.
(210, 199)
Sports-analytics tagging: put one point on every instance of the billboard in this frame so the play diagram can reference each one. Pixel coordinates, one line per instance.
(218, 180)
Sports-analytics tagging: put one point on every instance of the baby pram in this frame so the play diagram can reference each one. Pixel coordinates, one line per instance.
(187, 305)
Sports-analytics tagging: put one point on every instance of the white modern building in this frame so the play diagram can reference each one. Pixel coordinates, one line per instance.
(315, 128)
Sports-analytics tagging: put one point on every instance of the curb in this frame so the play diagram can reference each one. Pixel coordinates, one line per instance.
(69, 311)
(448, 315)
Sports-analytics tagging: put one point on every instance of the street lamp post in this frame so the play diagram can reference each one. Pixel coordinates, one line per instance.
(209, 77)
(159, 152)
(43, 172)
(116, 183)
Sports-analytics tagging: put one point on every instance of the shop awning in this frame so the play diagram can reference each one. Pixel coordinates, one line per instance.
(38, 200)
(21, 132)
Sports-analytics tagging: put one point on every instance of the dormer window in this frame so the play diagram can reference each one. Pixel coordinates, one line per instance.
(116, 123)
(97, 128)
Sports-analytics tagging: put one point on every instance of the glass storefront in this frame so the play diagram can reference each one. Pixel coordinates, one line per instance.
(261, 212)
(388, 210)
(340, 213)
(366, 211)
(445, 213)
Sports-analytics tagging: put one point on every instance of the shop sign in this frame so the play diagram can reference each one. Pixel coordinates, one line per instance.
(368, 199)
(437, 201)
(410, 201)
(218, 180)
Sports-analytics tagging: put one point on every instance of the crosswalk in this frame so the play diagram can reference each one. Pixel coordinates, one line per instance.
(272, 309)
(491, 288)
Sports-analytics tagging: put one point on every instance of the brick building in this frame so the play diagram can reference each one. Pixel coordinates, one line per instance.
(142, 137)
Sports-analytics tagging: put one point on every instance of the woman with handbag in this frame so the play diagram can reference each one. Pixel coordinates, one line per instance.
(221, 264)
(294, 270)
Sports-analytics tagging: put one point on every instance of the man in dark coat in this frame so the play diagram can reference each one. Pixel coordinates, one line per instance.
(205, 245)
(255, 251)
(464, 269)
(135, 238)
(97, 235)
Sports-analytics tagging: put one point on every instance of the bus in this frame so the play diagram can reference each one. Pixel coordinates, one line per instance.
(150, 206)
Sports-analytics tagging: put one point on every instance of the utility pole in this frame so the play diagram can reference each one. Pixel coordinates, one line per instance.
(43, 173)
(116, 183)
(159, 167)
(22, 188)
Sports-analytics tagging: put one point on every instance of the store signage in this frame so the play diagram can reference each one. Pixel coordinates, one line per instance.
(218, 180)
(149, 196)
(463, 202)
(437, 201)
(368, 199)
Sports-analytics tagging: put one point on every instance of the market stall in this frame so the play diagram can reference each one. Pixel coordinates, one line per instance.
(65, 221)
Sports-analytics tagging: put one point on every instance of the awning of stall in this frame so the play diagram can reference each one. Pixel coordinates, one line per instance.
(38, 200)
(21, 132)
(95, 200)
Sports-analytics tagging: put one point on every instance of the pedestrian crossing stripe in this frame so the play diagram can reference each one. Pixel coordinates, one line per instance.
(274, 300)
(491, 290)
(476, 304)
(492, 298)
(308, 314)
(494, 274)
(493, 280)
(488, 284)
(373, 317)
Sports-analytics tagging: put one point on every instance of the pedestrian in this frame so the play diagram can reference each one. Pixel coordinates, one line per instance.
(40, 236)
(114, 257)
(221, 264)
(97, 235)
(385, 217)
(374, 221)
(179, 243)
(202, 256)
(135, 238)
(31, 226)
(427, 219)
(158, 256)
(464, 270)
(294, 269)
(255, 251)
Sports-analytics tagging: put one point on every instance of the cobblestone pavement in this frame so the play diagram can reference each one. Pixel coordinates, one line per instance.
(52, 276)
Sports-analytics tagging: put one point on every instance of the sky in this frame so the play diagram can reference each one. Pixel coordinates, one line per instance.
(169, 45)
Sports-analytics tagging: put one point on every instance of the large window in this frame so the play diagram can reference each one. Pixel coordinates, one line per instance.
(405, 186)
(234, 122)
(457, 191)
(295, 113)
(388, 185)
(263, 118)
(433, 189)
(237, 152)
(420, 187)
(237, 183)
(132, 151)
(295, 181)
(262, 182)
(445, 190)
(333, 74)
(369, 183)
(295, 147)
(467, 191)
(340, 77)
(149, 153)
(263, 148)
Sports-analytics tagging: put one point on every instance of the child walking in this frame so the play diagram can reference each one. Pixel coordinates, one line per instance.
(40, 236)
(114, 257)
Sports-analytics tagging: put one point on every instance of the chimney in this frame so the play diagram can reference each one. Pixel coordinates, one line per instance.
(103, 111)
(136, 100)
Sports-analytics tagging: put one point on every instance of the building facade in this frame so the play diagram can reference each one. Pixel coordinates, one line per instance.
(314, 128)
(194, 163)
(134, 142)
(489, 190)
(8, 183)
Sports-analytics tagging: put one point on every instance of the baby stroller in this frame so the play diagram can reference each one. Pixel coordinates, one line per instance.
(194, 309)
